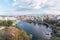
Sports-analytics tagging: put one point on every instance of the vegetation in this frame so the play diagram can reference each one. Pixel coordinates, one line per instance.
(10, 32)
(55, 28)
(53, 22)
(6, 23)
(56, 38)
(14, 33)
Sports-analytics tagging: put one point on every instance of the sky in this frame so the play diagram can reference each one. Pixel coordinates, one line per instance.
(22, 7)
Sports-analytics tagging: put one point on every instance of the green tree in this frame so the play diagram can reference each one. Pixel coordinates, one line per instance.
(6, 23)
(1, 23)
(9, 23)
(56, 38)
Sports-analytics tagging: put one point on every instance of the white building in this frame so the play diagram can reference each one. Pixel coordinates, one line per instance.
(7, 18)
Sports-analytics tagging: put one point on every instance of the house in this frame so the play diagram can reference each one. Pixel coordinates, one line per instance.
(7, 18)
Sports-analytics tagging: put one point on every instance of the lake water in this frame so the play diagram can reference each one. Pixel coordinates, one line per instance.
(37, 30)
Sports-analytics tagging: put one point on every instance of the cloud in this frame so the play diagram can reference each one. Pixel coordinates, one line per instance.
(14, 12)
(53, 7)
(38, 6)
(33, 4)
(32, 7)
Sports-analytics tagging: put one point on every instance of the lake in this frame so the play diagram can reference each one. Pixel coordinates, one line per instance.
(37, 30)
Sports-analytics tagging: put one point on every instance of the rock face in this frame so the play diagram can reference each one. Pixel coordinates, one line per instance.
(14, 33)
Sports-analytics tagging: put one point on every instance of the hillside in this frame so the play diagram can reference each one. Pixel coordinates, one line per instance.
(14, 33)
